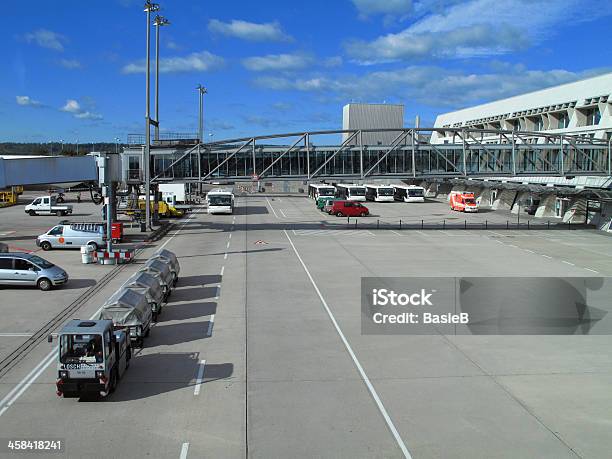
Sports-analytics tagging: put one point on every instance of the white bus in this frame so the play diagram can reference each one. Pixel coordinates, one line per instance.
(380, 193)
(409, 193)
(220, 201)
(323, 190)
(351, 192)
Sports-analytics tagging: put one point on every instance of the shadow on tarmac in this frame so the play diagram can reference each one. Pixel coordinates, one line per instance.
(187, 311)
(192, 294)
(203, 279)
(251, 210)
(78, 283)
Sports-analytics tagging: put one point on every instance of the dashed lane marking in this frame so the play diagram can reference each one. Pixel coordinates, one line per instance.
(199, 378)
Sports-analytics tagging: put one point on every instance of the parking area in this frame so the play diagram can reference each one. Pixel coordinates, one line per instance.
(260, 353)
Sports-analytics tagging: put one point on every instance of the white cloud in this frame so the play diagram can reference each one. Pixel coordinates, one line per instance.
(474, 28)
(46, 39)
(194, 62)
(277, 62)
(70, 63)
(71, 106)
(269, 31)
(74, 107)
(368, 7)
(26, 101)
(430, 85)
(334, 61)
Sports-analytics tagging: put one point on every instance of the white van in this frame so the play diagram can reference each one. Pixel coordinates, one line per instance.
(72, 236)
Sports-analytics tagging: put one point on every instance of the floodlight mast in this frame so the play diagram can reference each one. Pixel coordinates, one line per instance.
(148, 8)
(201, 90)
(159, 21)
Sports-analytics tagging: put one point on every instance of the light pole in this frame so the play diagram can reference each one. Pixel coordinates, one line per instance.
(77, 147)
(116, 144)
(158, 22)
(62, 141)
(201, 90)
(210, 135)
(148, 8)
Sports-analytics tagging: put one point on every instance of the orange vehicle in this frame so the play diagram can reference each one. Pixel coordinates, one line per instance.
(463, 202)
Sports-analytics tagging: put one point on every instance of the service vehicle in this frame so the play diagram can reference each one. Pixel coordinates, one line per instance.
(323, 200)
(220, 201)
(162, 272)
(462, 201)
(92, 357)
(317, 190)
(29, 269)
(129, 309)
(351, 192)
(170, 259)
(175, 194)
(73, 236)
(163, 208)
(151, 288)
(47, 205)
(409, 193)
(348, 209)
(380, 193)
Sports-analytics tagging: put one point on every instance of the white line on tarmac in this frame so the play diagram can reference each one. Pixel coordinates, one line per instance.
(546, 256)
(420, 232)
(196, 389)
(567, 263)
(225, 256)
(230, 236)
(222, 269)
(177, 231)
(14, 334)
(211, 322)
(395, 232)
(592, 270)
(228, 244)
(282, 212)
(273, 211)
(362, 372)
(499, 234)
(530, 251)
(33, 375)
(512, 245)
(184, 450)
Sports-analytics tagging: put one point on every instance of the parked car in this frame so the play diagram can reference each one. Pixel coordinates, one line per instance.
(18, 268)
(72, 236)
(348, 209)
(47, 205)
(328, 205)
(323, 201)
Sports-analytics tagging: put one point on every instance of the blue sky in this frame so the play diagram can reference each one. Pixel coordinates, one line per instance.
(74, 69)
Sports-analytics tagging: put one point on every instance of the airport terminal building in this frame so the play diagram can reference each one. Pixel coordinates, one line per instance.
(582, 108)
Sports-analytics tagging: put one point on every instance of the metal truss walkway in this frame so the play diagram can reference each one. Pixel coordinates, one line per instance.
(342, 154)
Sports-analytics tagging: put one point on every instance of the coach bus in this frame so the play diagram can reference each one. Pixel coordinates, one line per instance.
(220, 201)
(380, 193)
(351, 192)
(321, 190)
(409, 193)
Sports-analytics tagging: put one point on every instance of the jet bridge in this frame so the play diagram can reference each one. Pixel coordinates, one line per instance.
(42, 170)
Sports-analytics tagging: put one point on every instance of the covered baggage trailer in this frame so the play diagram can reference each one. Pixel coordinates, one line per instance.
(92, 356)
(170, 258)
(129, 309)
(149, 285)
(162, 271)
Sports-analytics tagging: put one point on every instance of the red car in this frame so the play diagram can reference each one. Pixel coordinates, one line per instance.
(348, 209)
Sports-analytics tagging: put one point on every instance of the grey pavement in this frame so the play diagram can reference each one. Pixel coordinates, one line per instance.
(280, 381)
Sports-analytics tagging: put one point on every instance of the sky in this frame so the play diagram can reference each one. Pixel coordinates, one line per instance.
(74, 70)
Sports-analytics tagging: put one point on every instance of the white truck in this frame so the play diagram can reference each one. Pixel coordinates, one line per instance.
(175, 194)
(47, 205)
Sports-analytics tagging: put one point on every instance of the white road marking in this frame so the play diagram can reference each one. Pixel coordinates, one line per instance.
(178, 230)
(222, 269)
(530, 251)
(228, 244)
(184, 450)
(200, 377)
(592, 270)
(225, 256)
(362, 372)
(499, 234)
(7, 335)
(567, 263)
(395, 232)
(282, 212)
(33, 375)
(230, 236)
(273, 211)
(421, 232)
(211, 322)
(218, 292)
(546, 256)
(512, 245)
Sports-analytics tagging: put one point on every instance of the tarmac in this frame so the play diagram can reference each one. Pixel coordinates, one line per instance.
(259, 352)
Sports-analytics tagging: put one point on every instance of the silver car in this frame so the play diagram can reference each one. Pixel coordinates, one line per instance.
(30, 269)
